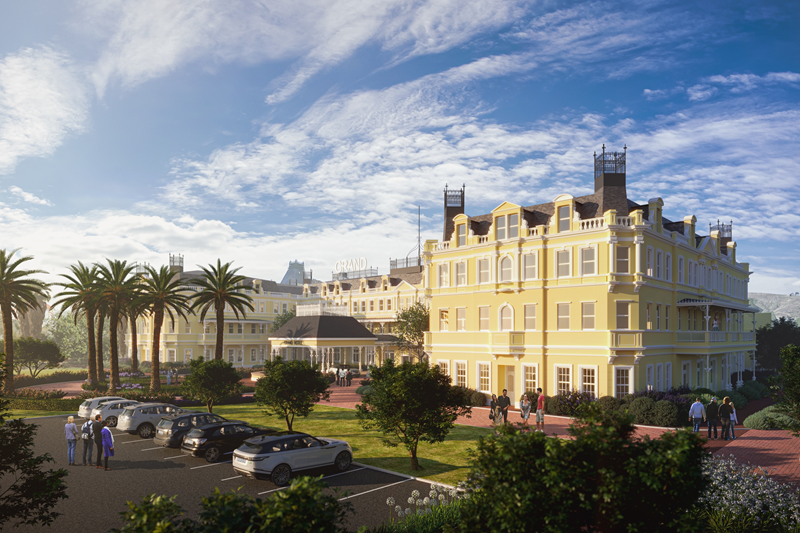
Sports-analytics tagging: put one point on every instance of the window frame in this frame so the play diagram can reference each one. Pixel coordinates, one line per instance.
(443, 270)
(461, 271)
(479, 376)
(618, 260)
(564, 222)
(461, 319)
(567, 251)
(525, 309)
(500, 228)
(630, 371)
(446, 363)
(596, 370)
(559, 316)
(461, 235)
(458, 365)
(488, 272)
(668, 267)
(627, 315)
(501, 326)
(594, 262)
(648, 269)
(593, 315)
(524, 379)
(534, 258)
(501, 270)
(556, 380)
(487, 318)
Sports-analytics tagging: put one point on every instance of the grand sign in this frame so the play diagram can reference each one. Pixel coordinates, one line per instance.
(351, 265)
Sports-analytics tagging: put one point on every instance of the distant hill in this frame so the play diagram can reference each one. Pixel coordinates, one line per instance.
(777, 304)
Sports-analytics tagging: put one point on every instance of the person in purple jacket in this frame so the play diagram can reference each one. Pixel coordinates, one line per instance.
(108, 443)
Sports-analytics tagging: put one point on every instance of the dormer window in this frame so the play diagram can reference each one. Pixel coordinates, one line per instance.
(500, 228)
(462, 235)
(513, 226)
(507, 227)
(563, 218)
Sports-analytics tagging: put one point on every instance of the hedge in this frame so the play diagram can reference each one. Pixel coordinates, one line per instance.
(771, 418)
(28, 404)
(58, 376)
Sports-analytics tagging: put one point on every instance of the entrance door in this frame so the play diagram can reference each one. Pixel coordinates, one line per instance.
(510, 384)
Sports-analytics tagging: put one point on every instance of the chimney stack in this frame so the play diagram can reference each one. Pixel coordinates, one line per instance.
(453, 205)
(609, 180)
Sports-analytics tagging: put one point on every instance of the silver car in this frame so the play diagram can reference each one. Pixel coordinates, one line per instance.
(277, 456)
(142, 419)
(86, 407)
(111, 410)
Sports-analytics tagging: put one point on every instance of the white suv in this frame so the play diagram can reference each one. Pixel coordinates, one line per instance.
(111, 410)
(86, 407)
(144, 418)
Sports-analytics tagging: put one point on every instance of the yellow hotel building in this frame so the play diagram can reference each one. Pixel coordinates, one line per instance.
(595, 293)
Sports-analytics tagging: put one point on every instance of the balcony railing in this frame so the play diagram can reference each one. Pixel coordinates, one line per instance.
(322, 309)
(537, 231)
(355, 274)
(593, 223)
(407, 262)
(624, 221)
(442, 246)
(714, 336)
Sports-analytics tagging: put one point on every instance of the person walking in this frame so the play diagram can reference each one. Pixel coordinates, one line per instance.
(712, 415)
(697, 415)
(494, 412)
(504, 402)
(71, 432)
(88, 440)
(540, 410)
(349, 378)
(525, 410)
(734, 421)
(725, 412)
(97, 431)
(108, 443)
(336, 373)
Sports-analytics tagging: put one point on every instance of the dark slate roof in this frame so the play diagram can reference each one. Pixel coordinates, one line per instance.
(323, 327)
(266, 284)
(386, 338)
(413, 278)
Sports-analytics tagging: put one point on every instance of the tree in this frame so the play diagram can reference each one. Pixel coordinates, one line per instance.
(220, 286)
(30, 493)
(786, 384)
(304, 507)
(160, 295)
(18, 294)
(211, 381)
(79, 296)
(289, 389)
(410, 403)
(116, 288)
(601, 479)
(135, 310)
(772, 338)
(412, 323)
(36, 355)
(282, 319)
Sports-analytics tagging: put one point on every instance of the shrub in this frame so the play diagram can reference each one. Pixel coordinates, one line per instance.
(763, 389)
(608, 403)
(52, 404)
(422, 514)
(749, 392)
(364, 389)
(36, 394)
(567, 404)
(702, 390)
(147, 396)
(678, 396)
(643, 410)
(54, 377)
(472, 397)
(771, 418)
(665, 414)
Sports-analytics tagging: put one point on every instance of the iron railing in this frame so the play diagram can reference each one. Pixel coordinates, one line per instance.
(725, 230)
(355, 274)
(406, 262)
(610, 162)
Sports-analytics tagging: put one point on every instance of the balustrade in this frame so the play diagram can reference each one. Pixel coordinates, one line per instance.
(593, 223)
(624, 221)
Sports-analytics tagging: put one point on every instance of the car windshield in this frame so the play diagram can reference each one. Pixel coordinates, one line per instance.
(127, 412)
(165, 424)
(250, 448)
(195, 433)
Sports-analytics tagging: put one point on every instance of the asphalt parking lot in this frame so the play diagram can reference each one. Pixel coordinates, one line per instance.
(96, 497)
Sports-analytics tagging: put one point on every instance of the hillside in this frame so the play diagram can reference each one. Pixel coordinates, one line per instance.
(777, 304)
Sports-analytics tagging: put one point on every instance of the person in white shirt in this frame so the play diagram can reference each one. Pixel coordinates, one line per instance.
(734, 421)
(697, 414)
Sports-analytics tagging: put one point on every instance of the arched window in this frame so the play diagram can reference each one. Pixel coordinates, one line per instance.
(506, 318)
(505, 269)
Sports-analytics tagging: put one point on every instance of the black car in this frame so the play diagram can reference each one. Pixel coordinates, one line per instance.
(173, 428)
(212, 441)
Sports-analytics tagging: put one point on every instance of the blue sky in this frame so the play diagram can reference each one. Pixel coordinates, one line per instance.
(263, 132)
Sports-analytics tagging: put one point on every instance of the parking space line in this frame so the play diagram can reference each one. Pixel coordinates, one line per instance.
(230, 478)
(325, 477)
(373, 490)
(156, 448)
(212, 464)
(177, 456)
(129, 441)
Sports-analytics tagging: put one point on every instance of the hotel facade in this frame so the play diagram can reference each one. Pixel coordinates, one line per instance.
(596, 293)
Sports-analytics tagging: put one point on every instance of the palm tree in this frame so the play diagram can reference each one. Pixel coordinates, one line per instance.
(219, 286)
(100, 311)
(161, 294)
(134, 312)
(116, 289)
(18, 294)
(79, 296)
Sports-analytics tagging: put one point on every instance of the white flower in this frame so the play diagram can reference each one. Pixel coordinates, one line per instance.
(415, 494)
(398, 509)
(441, 497)
(390, 501)
(408, 511)
(420, 502)
(411, 500)
(400, 514)
(432, 493)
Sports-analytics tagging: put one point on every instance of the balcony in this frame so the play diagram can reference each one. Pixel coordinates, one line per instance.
(715, 336)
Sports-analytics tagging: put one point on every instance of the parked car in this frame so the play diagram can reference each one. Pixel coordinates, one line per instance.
(143, 418)
(111, 410)
(171, 429)
(278, 456)
(85, 410)
(212, 441)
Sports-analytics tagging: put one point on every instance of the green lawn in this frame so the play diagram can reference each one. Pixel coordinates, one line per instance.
(446, 462)
(31, 414)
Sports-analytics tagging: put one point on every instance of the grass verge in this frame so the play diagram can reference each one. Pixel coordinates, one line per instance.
(447, 462)
(31, 414)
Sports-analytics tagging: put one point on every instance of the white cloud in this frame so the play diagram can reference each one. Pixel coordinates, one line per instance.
(28, 197)
(746, 82)
(701, 92)
(660, 94)
(42, 101)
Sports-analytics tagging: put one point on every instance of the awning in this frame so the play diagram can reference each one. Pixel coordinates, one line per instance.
(717, 302)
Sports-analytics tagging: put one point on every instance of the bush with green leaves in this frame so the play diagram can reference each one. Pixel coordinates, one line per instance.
(702, 390)
(290, 389)
(771, 418)
(211, 382)
(665, 414)
(608, 403)
(472, 397)
(739, 400)
(601, 479)
(567, 404)
(301, 508)
(643, 410)
(53, 377)
(748, 391)
(763, 389)
(363, 389)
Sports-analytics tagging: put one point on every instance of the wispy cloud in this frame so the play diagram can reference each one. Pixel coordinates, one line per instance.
(28, 197)
(701, 92)
(42, 101)
(739, 83)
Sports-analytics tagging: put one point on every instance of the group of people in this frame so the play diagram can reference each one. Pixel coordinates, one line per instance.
(92, 433)
(344, 378)
(714, 414)
(500, 405)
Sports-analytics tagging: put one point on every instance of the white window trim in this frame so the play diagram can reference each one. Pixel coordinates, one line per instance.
(522, 378)
(657, 386)
(456, 362)
(465, 318)
(500, 317)
(659, 275)
(489, 270)
(668, 372)
(595, 315)
(449, 369)
(650, 250)
(439, 317)
(466, 274)
(596, 369)
(569, 316)
(489, 315)
(478, 376)
(525, 317)
(647, 373)
(668, 261)
(555, 377)
(191, 354)
(499, 269)
(439, 279)
(555, 261)
(596, 259)
(688, 366)
(535, 255)
(630, 378)
(616, 258)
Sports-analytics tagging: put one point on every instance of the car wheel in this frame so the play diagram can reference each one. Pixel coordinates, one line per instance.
(281, 475)
(146, 431)
(112, 421)
(212, 454)
(343, 461)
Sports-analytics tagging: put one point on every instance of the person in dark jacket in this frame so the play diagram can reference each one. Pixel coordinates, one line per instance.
(349, 378)
(108, 444)
(88, 441)
(712, 415)
(97, 431)
(725, 413)
(504, 402)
